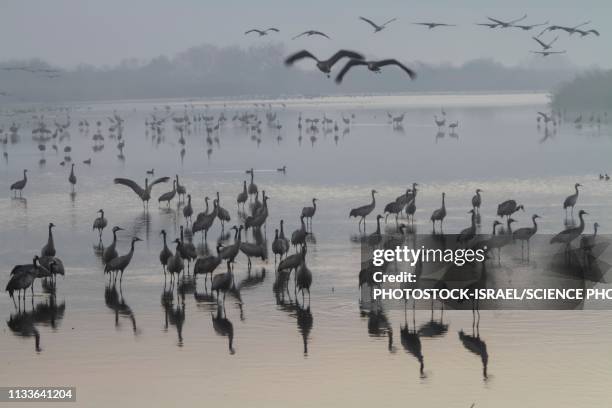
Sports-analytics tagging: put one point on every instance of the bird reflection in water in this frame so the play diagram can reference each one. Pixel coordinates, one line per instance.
(115, 301)
(174, 316)
(547, 135)
(304, 322)
(19, 202)
(302, 313)
(411, 340)
(47, 313)
(21, 324)
(434, 328)
(475, 344)
(186, 285)
(223, 327)
(378, 323)
(142, 221)
(98, 249)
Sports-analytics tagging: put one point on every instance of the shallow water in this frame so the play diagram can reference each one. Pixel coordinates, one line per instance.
(156, 348)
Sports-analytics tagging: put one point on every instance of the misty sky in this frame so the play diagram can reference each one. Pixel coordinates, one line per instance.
(69, 32)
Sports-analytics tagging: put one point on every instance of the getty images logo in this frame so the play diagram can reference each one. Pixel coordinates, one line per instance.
(412, 256)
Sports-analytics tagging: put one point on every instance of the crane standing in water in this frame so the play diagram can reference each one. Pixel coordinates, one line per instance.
(100, 223)
(571, 200)
(363, 211)
(20, 185)
(120, 263)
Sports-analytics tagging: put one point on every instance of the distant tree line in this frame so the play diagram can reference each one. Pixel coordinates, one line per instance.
(589, 90)
(211, 71)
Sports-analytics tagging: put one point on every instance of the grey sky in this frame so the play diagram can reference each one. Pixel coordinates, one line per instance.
(69, 32)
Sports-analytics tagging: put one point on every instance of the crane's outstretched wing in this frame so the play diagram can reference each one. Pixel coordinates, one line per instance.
(529, 27)
(432, 25)
(253, 31)
(131, 184)
(499, 22)
(314, 32)
(159, 180)
(299, 35)
(490, 25)
(383, 63)
(582, 24)
(276, 30)
(553, 41)
(540, 42)
(370, 22)
(594, 32)
(352, 62)
(390, 21)
(518, 19)
(298, 56)
(344, 53)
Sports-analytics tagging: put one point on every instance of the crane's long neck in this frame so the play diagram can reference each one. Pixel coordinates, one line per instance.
(535, 224)
(378, 225)
(373, 199)
(115, 237)
(165, 244)
(576, 188)
(244, 188)
(303, 225)
(443, 204)
(50, 235)
(282, 230)
(494, 228)
(581, 221)
(595, 233)
(252, 175)
(25, 175)
(314, 204)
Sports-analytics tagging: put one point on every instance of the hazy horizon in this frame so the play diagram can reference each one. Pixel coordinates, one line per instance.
(67, 33)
